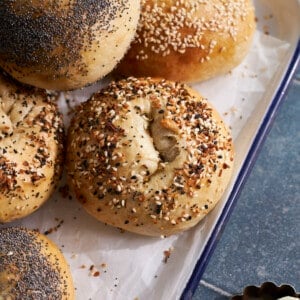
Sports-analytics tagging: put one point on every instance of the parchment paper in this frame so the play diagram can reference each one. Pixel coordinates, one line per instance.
(109, 264)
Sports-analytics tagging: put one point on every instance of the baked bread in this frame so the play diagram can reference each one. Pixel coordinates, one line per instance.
(189, 40)
(32, 267)
(149, 156)
(64, 45)
(31, 144)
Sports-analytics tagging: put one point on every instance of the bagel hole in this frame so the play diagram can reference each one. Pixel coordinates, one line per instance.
(164, 140)
(171, 151)
(166, 146)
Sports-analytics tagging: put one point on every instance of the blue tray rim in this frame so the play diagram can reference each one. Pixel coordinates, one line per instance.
(248, 164)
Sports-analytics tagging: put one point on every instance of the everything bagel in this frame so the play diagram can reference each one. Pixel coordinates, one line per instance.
(31, 144)
(149, 156)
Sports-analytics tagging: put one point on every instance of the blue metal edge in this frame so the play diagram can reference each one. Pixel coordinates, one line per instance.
(241, 179)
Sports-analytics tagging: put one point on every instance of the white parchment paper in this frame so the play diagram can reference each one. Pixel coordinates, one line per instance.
(109, 264)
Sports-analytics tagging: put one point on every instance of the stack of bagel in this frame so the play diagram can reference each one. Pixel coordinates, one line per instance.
(148, 153)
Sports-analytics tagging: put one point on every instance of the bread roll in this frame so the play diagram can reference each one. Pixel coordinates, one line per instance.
(32, 267)
(149, 156)
(63, 45)
(31, 142)
(189, 40)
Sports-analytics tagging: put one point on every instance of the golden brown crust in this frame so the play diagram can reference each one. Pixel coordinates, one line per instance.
(67, 44)
(149, 156)
(32, 267)
(189, 40)
(31, 144)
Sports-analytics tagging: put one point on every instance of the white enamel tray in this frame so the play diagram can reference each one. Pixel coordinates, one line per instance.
(280, 19)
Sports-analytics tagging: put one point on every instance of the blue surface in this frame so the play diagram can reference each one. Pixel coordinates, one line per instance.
(261, 242)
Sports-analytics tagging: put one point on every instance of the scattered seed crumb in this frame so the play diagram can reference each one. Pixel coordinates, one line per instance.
(116, 282)
(167, 254)
(82, 266)
(266, 30)
(96, 274)
(268, 17)
(55, 228)
(93, 271)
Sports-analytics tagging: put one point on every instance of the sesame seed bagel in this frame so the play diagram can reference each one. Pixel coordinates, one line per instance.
(64, 45)
(189, 40)
(32, 267)
(149, 156)
(31, 134)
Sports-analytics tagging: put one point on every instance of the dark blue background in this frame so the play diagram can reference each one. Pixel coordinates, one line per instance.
(261, 241)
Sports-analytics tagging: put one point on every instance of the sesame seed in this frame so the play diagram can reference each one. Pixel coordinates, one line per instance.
(161, 27)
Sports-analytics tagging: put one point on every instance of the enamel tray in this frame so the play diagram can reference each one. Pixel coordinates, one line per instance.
(285, 25)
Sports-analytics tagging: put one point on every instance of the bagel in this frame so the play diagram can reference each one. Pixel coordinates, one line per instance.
(64, 45)
(32, 267)
(189, 40)
(148, 156)
(31, 144)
